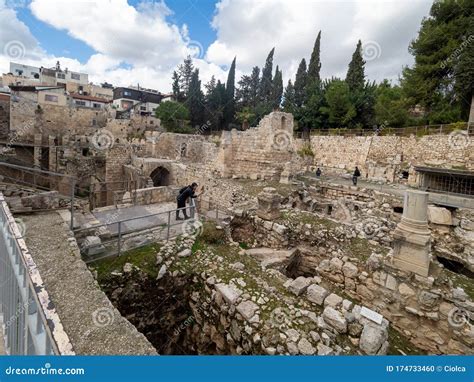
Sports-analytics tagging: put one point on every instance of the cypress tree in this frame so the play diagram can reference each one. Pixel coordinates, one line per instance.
(277, 88)
(300, 83)
(229, 107)
(195, 100)
(314, 66)
(289, 98)
(265, 89)
(355, 74)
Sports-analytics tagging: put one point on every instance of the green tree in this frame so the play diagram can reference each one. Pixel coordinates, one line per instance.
(185, 73)
(300, 83)
(338, 107)
(277, 89)
(390, 106)
(177, 94)
(440, 77)
(195, 101)
(174, 116)
(289, 104)
(314, 66)
(229, 107)
(355, 77)
(266, 83)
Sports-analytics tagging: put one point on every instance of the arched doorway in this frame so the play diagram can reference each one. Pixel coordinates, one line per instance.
(160, 177)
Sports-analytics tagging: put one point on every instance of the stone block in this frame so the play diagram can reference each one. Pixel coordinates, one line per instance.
(299, 285)
(317, 294)
(334, 318)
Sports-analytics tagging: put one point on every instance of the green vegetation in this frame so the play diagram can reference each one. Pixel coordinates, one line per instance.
(143, 257)
(173, 116)
(306, 151)
(437, 89)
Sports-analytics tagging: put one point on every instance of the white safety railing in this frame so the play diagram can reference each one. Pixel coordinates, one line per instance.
(29, 320)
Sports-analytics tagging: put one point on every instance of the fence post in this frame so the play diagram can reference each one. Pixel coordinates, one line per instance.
(168, 230)
(73, 185)
(119, 244)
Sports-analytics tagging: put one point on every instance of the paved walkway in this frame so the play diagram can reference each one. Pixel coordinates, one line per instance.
(398, 190)
(93, 325)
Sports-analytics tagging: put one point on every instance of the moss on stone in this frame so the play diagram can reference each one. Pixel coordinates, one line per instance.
(143, 258)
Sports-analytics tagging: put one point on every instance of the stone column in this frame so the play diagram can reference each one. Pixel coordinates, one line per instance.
(38, 141)
(268, 204)
(412, 237)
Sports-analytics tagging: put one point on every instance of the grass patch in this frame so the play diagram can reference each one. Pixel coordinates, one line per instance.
(143, 257)
(461, 281)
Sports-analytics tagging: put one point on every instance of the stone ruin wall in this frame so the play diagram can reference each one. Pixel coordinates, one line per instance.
(419, 307)
(391, 153)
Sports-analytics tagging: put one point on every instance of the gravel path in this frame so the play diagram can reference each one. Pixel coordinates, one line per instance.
(94, 326)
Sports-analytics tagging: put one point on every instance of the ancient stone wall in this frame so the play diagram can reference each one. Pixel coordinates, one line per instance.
(392, 154)
(4, 116)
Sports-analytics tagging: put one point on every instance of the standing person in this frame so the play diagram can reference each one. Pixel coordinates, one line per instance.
(318, 172)
(355, 176)
(184, 194)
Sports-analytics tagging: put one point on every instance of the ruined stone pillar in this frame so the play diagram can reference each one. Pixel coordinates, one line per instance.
(286, 174)
(268, 204)
(412, 237)
(38, 141)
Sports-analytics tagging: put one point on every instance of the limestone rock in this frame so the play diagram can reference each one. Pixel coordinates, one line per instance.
(317, 294)
(333, 300)
(439, 215)
(333, 318)
(229, 292)
(247, 309)
(350, 270)
(299, 285)
(372, 339)
(324, 350)
(305, 347)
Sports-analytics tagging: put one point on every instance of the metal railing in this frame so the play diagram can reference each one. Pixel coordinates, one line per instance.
(397, 131)
(121, 235)
(30, 323)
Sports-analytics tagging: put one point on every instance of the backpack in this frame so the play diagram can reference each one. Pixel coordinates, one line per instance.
(181, 192)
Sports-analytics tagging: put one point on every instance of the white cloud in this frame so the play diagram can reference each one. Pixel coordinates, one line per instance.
(250, 29)
(139, 45)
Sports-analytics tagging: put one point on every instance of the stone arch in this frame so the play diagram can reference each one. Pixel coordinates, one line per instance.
(161, 177)
(283, 122)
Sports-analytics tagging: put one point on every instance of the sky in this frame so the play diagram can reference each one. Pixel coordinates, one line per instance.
(142, 41)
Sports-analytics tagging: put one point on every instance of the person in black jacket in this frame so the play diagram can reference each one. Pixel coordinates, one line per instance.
(355, 176)
(184, 194)
(318, 172)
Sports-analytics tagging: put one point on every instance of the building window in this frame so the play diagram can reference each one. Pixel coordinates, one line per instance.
(81, 103)
(75, 76)
(126, 93)
(51, 98)
(96, 105)
(143, 108)
(61, 75)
